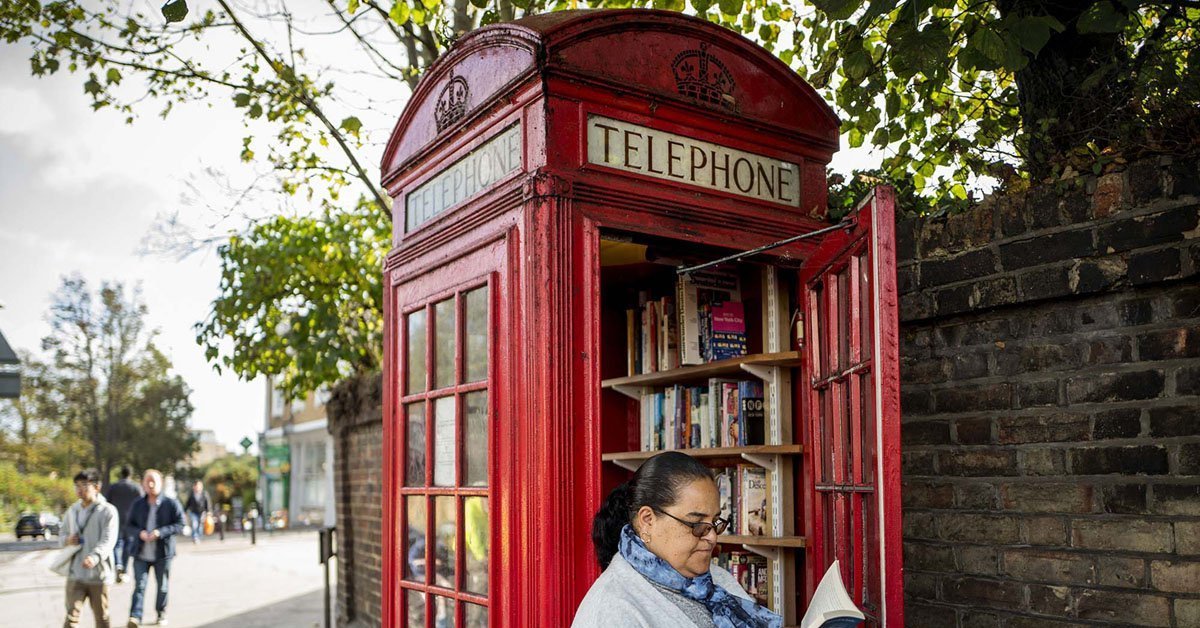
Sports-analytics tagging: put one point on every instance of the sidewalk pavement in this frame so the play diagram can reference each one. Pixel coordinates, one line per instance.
(215, 584)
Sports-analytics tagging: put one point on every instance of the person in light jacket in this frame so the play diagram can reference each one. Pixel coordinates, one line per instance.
(92, 524)
(654, 538)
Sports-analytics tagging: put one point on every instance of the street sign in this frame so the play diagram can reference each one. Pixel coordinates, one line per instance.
(246, 443)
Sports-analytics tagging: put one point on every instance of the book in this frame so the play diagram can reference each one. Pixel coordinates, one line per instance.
(730, 432)
(725, 496)
(831, 606)
(751, 414)
(753, 510)
(758, 579)
(694, 291)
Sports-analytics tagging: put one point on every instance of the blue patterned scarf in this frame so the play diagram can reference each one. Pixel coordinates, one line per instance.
(728, 610)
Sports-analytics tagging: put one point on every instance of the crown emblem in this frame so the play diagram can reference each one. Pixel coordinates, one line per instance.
(702, 76)
(451, 103)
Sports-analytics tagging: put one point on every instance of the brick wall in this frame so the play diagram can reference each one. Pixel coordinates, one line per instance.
(1051, 406)
(356, 422)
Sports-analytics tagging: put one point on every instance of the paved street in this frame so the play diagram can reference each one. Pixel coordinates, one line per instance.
(213, 585)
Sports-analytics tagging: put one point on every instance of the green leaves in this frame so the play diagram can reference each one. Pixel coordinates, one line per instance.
(731, 7)
(175, 10)
(1101, 17)
(351, 125)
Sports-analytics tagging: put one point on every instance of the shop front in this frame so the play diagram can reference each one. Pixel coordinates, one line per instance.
(561, 185)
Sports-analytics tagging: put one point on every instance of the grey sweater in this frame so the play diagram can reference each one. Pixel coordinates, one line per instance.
(99, 536)
(624, 598)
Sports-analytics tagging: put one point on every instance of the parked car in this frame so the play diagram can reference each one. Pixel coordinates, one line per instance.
(36, 525)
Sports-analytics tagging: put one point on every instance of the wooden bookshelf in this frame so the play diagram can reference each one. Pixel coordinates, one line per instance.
(762, 541)
(753, 453)
(703, 371)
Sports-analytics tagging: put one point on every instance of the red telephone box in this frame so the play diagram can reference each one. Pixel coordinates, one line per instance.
(556, 182)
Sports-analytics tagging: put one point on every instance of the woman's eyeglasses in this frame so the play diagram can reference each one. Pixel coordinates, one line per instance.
(700, 529)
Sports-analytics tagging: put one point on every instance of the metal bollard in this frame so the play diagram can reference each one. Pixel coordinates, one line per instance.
(326, 551)
(253, 538)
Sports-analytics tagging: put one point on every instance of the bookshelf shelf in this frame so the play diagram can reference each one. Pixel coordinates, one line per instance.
(763, 541)
(762, 455)
(632, 384)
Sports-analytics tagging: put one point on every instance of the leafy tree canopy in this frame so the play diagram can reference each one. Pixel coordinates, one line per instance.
(949, 92)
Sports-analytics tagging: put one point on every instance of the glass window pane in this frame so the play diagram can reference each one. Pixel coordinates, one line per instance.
(475, 353)
(443, 440)
(475, 535)
(476, 448)
(416, 352)
(414, 460)
(414, 562)
(443, 348)
(416, 608)
(444, 609)
(476, 616)
(843, 319)
(444, 517)
(866, 311)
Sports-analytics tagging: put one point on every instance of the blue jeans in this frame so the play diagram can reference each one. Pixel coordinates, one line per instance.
(121, 553)
(197, 530)
(141, 570)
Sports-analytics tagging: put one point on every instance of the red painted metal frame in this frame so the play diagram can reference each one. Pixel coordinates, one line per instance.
(848, 290)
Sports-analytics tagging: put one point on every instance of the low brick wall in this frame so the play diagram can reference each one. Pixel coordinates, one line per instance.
(1051, 406)
(356, 422)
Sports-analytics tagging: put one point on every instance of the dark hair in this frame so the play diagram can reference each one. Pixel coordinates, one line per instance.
(91, 476)
(656, 484)
(126, 471)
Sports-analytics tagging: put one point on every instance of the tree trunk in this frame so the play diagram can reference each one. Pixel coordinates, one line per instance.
(1071, 92)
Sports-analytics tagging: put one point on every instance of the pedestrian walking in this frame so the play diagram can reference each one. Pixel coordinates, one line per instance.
(154, 520)
(198, 505)
(91, 523)
(121, 495)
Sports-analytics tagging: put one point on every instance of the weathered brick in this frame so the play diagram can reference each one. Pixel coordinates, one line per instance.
(974, 398)
(915, 306)
(1110, 196)
(1120, 423)
(1187, 380)
(1047, 248)
(1124, 499)
(919, 525)
(1117, 571)
(978, 561)
(968, 265)
(929, 557)
(1053, 567)
(925, 433)
(973, 431)
(1154, 266)
(1105, 387)
(978, 528)
(927, 495)
(969, 365)
(1148, 230)
(919, 585)
(994, 292)
(1128, 534)
(1169, 344)
(1043, 497)
(1038, 394)
(1035, 358)
(1187, 537)
(1131, 460)
(1176, 499)
(1041, 622)
(1096, 275)
(1011, 214)
(1187, 459)
(1050, 600)
(915, 402)
(976, 496)
(1043, 322)
(1045, 428)
(953, 300)
(1175, 576)
(1046, 531)
(917, 463)
(906, 238)
(923, 370)
(907, 278)
(1184, 178)
(979, 619)
(1044, 283)
(929, 615)
(977, 463)
(1187, 612)
(984, 592)
(1185, 303)
(1136, 312)
(1041, 462)
(1106, 350)
(1129, 608)
(1175, 421)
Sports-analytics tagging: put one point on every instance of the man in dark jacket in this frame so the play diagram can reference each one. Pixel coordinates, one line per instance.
(122, 495)
(154, 520)
(198, 504)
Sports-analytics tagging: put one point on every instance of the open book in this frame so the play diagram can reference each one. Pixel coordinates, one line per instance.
(831, 606)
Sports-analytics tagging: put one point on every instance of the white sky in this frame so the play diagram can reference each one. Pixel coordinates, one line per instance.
(80, 189)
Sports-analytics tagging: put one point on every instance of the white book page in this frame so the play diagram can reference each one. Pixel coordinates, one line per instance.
(830, 600)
